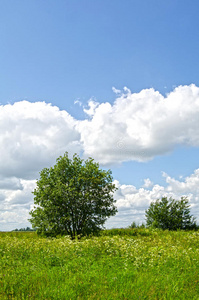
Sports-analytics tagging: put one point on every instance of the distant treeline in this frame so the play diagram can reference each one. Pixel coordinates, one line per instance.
(24, 229)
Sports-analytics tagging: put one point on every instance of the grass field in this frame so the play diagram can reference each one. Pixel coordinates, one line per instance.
(119, 264)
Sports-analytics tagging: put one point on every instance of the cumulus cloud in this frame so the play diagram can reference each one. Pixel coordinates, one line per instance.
(147, 183)
(132, 202)
(140, 126)
(33, 135)
(92, 107)
(11, 183)
(15, 204)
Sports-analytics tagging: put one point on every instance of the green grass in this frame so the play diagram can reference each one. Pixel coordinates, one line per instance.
(119, 264)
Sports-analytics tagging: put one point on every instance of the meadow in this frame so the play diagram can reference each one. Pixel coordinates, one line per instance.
(117, 264)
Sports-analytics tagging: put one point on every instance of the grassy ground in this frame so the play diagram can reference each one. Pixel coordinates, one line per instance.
(120, 264)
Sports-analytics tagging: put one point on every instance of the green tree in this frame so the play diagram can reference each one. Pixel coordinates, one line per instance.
(170, 214)
(74, 197)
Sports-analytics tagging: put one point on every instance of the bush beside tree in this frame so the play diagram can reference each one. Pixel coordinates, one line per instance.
(170, 214)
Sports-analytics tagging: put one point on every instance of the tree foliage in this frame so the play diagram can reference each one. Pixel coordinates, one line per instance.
(170, 214)
(74, 197)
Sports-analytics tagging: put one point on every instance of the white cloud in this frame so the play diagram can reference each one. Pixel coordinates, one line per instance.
(92, 107)
(11, 183)
(78, 102)
(32, 136)
(189, 186)
(15, 205)
(116, 91)
(147, 183)
(140, 126)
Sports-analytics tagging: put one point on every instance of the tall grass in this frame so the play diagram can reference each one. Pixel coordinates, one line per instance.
(119, 264)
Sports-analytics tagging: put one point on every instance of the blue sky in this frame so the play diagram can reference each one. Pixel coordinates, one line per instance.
(76, 55)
